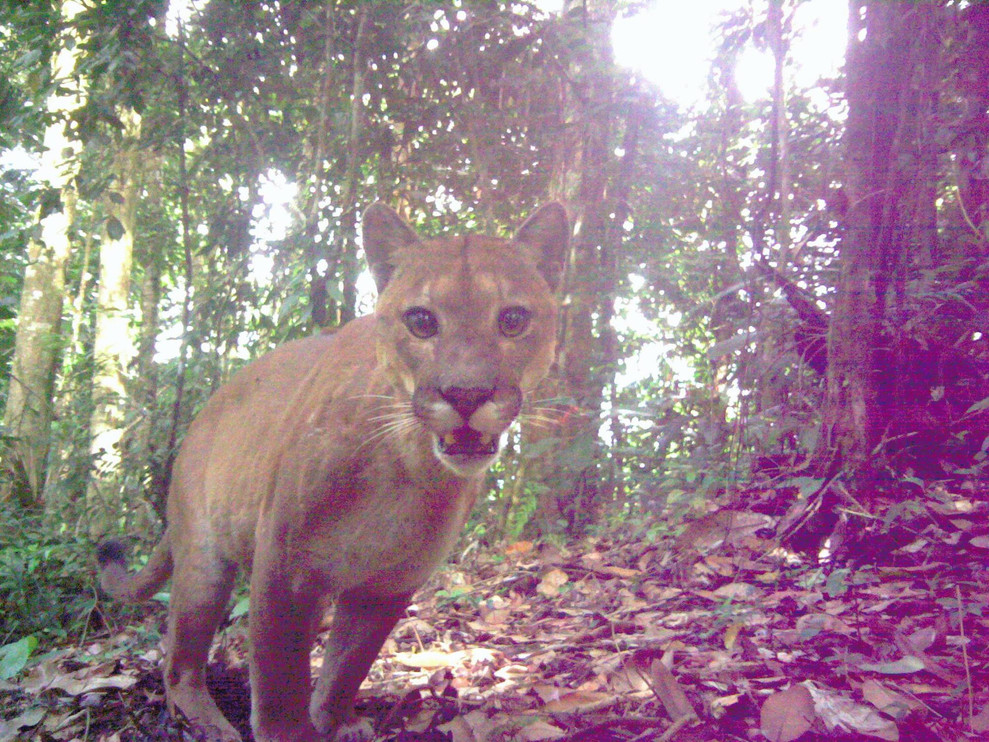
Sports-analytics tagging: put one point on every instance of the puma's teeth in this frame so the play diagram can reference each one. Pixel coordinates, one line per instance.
(467, 442)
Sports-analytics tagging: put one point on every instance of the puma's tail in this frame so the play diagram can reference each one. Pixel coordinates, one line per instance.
(137, 587)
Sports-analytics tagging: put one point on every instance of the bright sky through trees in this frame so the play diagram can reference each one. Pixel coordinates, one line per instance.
(672, 43)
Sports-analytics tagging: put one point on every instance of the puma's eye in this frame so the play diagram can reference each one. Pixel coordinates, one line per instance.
(421, 322)
(513, 321)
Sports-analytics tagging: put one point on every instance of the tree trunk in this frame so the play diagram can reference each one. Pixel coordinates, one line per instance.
(569, 473)
(345, 251)
(28, 413)
(143, 450)
(779, 178)
(878, 140)
(973, 166)
(316, 192)
(336, 265)
(113, 347)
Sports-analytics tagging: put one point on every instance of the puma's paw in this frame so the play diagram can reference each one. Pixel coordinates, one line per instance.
(355, 730)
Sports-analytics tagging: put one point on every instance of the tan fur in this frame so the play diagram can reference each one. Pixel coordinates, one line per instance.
(320, 468)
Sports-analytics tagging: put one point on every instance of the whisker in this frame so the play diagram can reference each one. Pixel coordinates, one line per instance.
(554, 411)
(393, 402)
(394, 425)
(538, 421)
(544, 410)
(394, 415)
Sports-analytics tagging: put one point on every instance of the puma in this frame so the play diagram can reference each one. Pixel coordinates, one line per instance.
(341, 468)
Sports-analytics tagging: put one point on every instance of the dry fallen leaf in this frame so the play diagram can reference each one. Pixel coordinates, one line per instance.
(10, 730)
(888, 701)
(902, 666)
(471, 727)
(980, 722)
(812, 624)
(539, 730)
(48, 675)
(838, 711)
(579, 702)
(787, 715)
(518, 548)
(669, 692)
(433, 659)
(551, 583)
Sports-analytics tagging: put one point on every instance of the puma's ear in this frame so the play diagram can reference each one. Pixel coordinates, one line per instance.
(384, 233)
(547, 234)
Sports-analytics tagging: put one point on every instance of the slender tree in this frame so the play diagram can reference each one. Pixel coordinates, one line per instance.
(28, 412)
(113, 347)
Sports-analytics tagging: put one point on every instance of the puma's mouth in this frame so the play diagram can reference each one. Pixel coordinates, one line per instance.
(467, 442)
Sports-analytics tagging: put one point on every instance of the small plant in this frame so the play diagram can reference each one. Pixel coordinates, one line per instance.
(46, 584)
(14, 656)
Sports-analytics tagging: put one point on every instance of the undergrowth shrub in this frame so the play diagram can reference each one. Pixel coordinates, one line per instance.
(46, 579)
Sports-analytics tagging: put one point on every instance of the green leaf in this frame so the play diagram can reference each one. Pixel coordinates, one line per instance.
(978, 406)
(241, 607)
(13, 657)
(902, 666)
(807, 485)
(836, 584)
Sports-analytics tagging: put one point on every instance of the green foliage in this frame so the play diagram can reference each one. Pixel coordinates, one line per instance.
(241, 607)
(522, 511)
(14, 656)
(46, 579)
(457, 595)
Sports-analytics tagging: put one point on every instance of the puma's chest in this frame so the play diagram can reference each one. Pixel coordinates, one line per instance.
(377, 525)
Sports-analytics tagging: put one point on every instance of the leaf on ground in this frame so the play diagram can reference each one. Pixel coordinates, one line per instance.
(888, 701)
(10, 730)
(838, 711)
(579, 702)
(980, 722)
(518, 548)
(812, 624)
(88, 679)
(472, 727)
(551, 583)
(433, 659)
(787, 715)
(902, 666)
(669, 692)
(14, 656)
(539, 730)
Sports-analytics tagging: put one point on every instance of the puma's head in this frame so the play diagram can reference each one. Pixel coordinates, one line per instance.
(466, 326)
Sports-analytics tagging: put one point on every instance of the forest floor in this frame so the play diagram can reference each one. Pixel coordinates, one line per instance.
(721, 633)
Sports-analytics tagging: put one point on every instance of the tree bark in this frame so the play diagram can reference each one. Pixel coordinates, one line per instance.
(779, 179)
(570, 478)
(113, 347)
(143, 450)
(878, 141)
(28, 413)
(346, 232)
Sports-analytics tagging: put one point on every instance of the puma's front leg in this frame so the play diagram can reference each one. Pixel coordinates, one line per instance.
(361, 623)
(282, 629)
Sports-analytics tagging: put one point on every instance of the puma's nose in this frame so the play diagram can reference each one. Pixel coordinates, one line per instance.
(466, 400)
